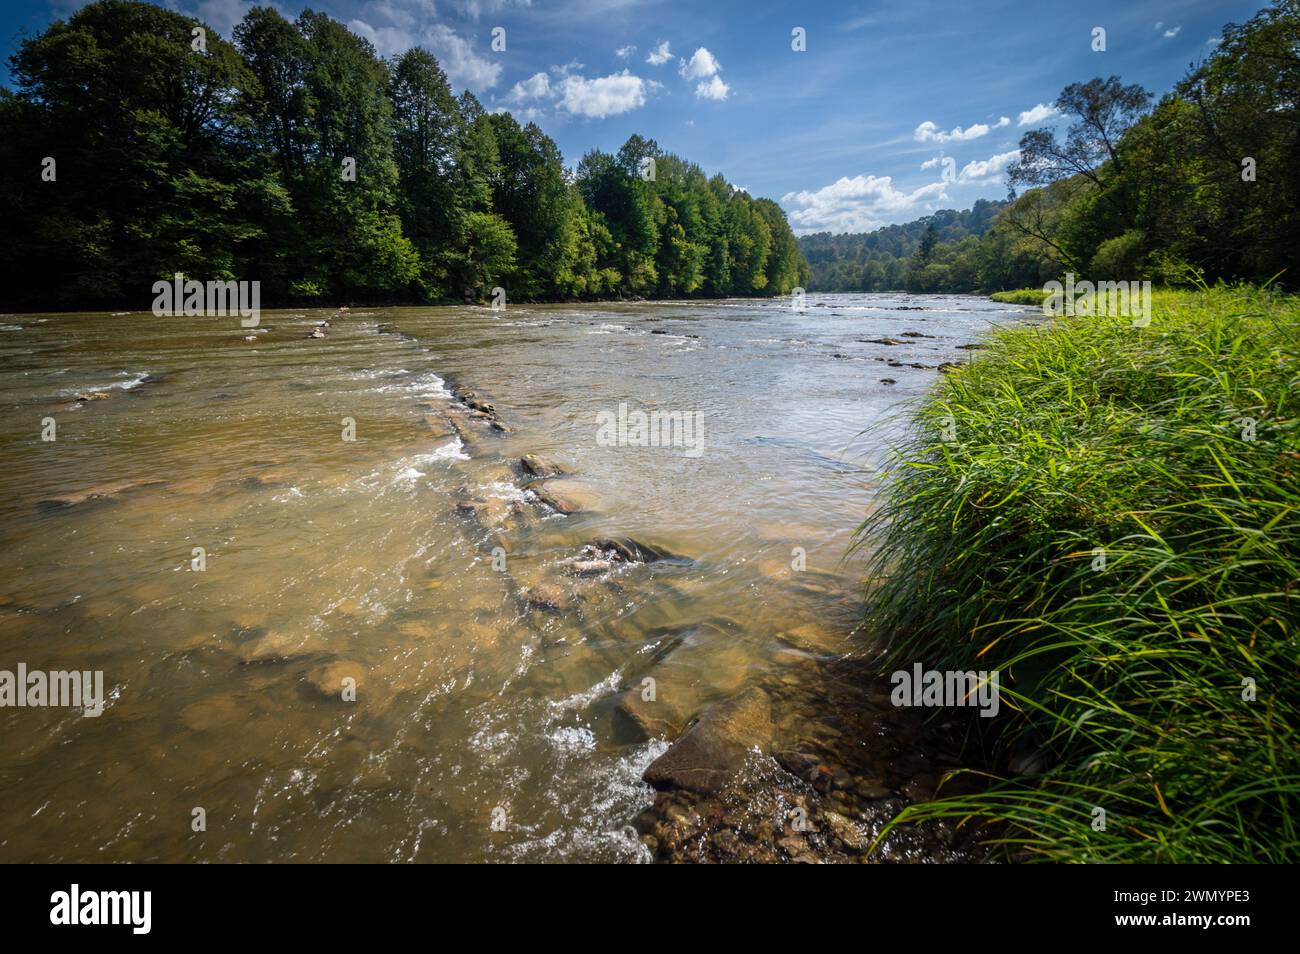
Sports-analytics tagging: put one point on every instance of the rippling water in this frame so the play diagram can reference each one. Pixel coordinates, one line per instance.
(326, 559)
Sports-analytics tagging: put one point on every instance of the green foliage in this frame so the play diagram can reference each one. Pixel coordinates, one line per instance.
(1110, 517)
(232, 163)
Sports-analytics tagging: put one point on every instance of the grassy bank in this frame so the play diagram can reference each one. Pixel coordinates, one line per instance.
(1083, 510)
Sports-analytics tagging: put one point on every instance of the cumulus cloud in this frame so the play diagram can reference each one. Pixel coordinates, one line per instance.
(1036, 115)
(1173, 31)
(537, 86)
(701, 65)
(929, 132)
(712, 88)
(857, 204)
(623, 52)
(659, 55)
(602, 96)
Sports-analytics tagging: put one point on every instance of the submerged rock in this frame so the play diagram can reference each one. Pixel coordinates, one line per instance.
(564, 496)
(328, 679)
(715, 749)
(106, 491)
(638, 719)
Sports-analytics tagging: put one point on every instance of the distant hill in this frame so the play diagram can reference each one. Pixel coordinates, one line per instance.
(877, 261)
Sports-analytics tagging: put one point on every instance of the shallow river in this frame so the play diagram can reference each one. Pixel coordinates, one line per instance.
(488, 650)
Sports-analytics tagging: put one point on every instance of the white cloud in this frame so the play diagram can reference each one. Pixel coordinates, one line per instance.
(1032, 117)
(929, 132)
(701, 65)
(1174, 31)
(462, 63)
(859, 204)
(537, 86)
(623, 52)
(659, 55)
(394, 26)
(987, 170)
(603, 96)
(712, 88)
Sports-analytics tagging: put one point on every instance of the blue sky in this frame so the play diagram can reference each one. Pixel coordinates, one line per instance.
(892, 111)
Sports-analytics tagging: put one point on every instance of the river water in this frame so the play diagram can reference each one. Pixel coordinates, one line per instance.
(489, 652)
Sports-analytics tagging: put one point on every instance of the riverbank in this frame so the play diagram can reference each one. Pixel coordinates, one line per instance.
(1109, 516)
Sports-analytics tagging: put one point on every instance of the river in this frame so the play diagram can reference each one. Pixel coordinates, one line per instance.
(491, 656)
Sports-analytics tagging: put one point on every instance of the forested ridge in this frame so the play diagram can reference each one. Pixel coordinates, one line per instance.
(295, 156)
(880, 260)
(1199, 185)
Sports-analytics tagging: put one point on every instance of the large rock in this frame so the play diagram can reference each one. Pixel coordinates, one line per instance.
(713, 751)
(540, 466)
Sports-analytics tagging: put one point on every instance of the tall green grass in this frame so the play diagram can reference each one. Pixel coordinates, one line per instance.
(1081, 438)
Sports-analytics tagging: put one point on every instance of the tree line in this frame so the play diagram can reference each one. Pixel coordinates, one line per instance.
(140, 144)
(882, 260)
(1199, 186)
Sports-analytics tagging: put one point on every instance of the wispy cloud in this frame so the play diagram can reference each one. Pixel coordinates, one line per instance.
(987, 170)
(1037, 114)
(929, 132)
(659, 55)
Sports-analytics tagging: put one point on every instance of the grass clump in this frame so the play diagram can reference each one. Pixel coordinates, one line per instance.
(1020, 296)
(1083, 509)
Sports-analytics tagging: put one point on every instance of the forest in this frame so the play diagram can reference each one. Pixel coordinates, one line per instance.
(881, 260)
(295, 156)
